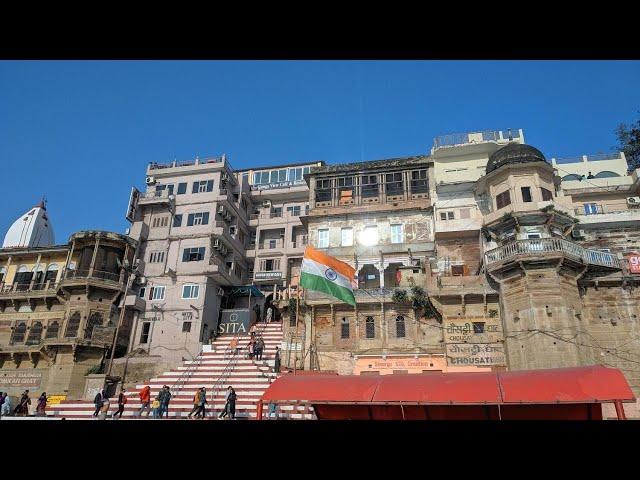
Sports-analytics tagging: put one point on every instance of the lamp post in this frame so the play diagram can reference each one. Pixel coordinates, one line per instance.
(132, 275)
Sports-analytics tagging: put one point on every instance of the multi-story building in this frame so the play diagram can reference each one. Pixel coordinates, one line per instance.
(59, 305)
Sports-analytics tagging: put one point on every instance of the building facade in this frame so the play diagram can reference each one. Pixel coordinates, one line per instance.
(59, 307)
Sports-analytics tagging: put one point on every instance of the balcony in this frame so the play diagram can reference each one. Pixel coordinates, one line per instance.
(459, 139)
(605, 214)
(161, 197)
(271, 247)
(95, 277)
(543, 248)
(219, 271)
(17, 290)
(274, 218)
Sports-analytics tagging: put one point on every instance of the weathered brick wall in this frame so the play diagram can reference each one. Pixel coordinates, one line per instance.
(465, 249)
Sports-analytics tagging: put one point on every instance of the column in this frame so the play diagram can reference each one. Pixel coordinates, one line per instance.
(35, 272)
(93, 258)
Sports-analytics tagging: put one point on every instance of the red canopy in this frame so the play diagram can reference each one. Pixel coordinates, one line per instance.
(593, 384)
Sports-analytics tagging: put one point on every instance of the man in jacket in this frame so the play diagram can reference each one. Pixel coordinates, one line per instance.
(196, 403)
(122, 401)
(276, 364)
(164, 402)
(98, 401)
(145, 400)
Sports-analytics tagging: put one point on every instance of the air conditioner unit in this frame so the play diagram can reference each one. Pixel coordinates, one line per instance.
(633, 201)
(141, 280)
(220, 291)
(578, 233)
(221, 209)
(170, 271)
(266, 204)
(151, 180)
(217, 244)
(224, 177)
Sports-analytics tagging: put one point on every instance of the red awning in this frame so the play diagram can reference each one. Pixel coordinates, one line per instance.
(594, 384)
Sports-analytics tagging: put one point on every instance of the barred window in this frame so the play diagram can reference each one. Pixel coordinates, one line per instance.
(370, 327)
(35, 333)
(400, 327)
(344, 328)
(144, 336)
(503, 200)
(17, 336)
(156, 257)
(156, 293)
(72, 325)
(160, 222)
(52, 329)
(95, 320)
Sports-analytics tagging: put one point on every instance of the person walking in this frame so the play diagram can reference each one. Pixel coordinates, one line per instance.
(155, 406)
(5, 410)
(145, 400)
(98, 401)
(122, 401)
(229, 404)
(22, 409)
(196, 403)
(259, 348)
(164, 403)
(42, 405)
(203, 401)
(276, 363)
(3, 395)
(269, 314)
(251, 349)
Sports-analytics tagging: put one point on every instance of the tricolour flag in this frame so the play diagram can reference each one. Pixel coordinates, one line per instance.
(326, 274)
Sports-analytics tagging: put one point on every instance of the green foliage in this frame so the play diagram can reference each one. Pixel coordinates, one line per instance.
(400, 296)
(629, 143)
(419, 299)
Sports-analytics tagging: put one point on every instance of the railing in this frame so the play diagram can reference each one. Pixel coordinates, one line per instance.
(26, 287)
(464, 138)
(268, 245)
(96, 274)
(597, 209)
(156, 194)
(197, 161)
(186, 375)
(232, 354)
(542, 245)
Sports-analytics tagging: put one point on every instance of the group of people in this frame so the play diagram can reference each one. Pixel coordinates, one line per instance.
(160, 404)
(22, 409)
(200, 401)
(255, 347)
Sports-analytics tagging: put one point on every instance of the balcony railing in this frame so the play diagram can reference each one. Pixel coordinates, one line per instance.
(598, 209)
(474, 137)
(155, 195)
(96, 274)
(197, 161)
(545, 245)
(26, 287)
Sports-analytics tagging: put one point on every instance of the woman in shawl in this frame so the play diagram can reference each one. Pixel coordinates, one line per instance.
(6, 405)
(23, 406)
(42, 405)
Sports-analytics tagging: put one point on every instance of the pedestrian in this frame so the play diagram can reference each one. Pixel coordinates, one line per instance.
(3, 395)
(259, 348)
(145, 400)
(22, 409)
(229, 403)
(203, 402)
(269, 314)
(276, 363)
(5, 410)
(155, 406)
(164, 403)
(252, 344)
(42, 405)
(98, 401)
(122, 401)
(273, 413)
(196, 403)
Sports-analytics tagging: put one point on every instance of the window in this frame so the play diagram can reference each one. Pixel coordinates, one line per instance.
(19, 332)
(369, 186)
(526, 194)
(347, 237)
(52, 330)
(50, 276)
(182, 188)
(142, 292)
(273, 243)
(177, 220)
(590, 208)
(478, 327)
(156, 293)
(323, 238)
(344, 328)
(294, 211)
(202, 186)
(419, 181)
(95, 320)
(295, 174)
(186, 327)
(457, 270)
(370, 328)
(160, 222)
(503, 200)
(190, 291)
(270, 265)
(397, 233)
(193, 254)
(72, 325)
(201, 218)
(400, 330)
(156, 257)
(276, 212)
(323, 190)
(144, 337)
(394, 183)
(306, 209)
(546, 194)
(444, 216)
(369, 236)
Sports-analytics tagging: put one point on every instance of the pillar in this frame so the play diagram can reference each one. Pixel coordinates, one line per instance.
(93, 258)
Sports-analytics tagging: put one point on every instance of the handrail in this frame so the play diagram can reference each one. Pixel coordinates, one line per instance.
(225, 373)
(184, 377)
(541, 245)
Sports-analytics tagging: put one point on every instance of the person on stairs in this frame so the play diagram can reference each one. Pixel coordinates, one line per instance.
(98, 401)
(196, 403)
(230, 403)
(41, 409)
(259, 348)
(276, 363)
(122, 401)
(145, 400)
(164, 403)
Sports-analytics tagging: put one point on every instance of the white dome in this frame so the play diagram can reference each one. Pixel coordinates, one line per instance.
(33, 229)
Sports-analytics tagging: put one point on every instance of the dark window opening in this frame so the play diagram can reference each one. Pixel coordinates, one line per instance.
(186, 327)
(177, 220)
(478, 327)
(370, 328)
(35, 334)
(400, 327)
(52, 330)
(546, 194)
(526, 194)
(369, 186)
(194, 254)
(394, 185)
(144, 337)
(503, 200)
(17, 336)
(419, 181)
(95, 320)
(344, 329)
(72, 325)
(182, 188)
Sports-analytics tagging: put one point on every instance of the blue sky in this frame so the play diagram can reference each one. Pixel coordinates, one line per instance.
(82, 132)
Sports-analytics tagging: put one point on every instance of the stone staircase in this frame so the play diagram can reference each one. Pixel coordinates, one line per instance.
(215, 369)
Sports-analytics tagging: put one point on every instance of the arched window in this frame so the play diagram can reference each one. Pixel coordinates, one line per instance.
(19, 331)
(606, 174)
(52, 329)
(35, 334)
(73, 325)
(52, 273)
(344, 328)
(571, 177)
(95, 320)
(400, 330)
(38, 274)
(23, 278)
(370, 327)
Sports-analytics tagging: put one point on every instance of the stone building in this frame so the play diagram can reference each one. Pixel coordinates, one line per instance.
(59, 306)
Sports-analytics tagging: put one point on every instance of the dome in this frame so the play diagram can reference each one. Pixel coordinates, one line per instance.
(32, 229)
(514, 153)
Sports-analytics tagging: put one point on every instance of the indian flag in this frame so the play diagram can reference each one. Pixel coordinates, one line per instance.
(326, 274)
